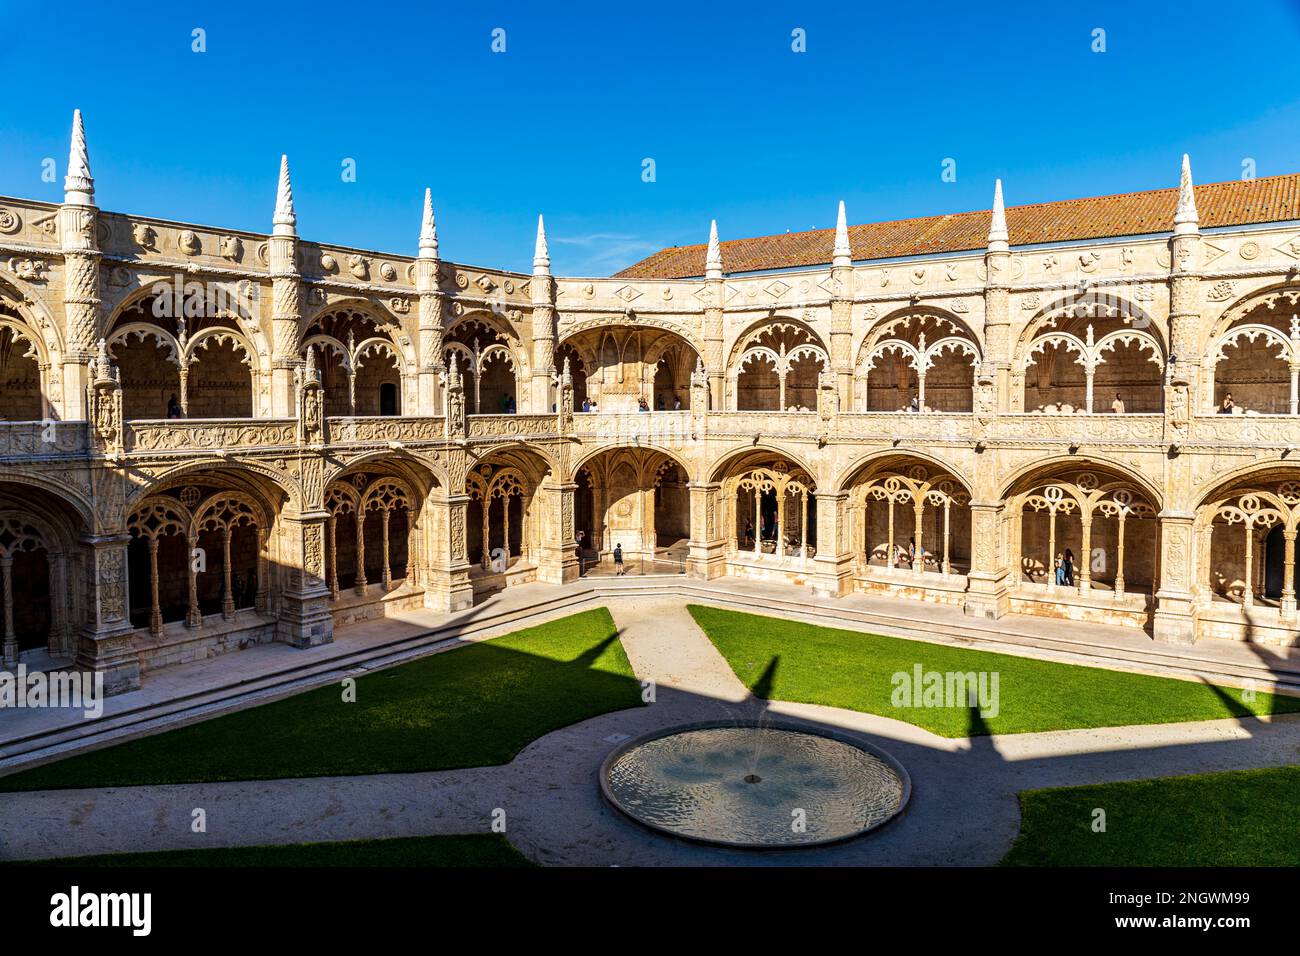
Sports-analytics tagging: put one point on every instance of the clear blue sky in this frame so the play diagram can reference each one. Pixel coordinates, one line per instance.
(740, 127)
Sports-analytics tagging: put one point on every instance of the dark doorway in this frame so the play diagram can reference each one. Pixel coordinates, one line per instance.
(388, 398)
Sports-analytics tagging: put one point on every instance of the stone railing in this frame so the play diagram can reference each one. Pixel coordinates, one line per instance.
(1035, 426)
(1253, 430)
(33, 439)
(345, 430)
(935, 426)
(211, 434)
(510, 426)
(766, 424)
(670, 429)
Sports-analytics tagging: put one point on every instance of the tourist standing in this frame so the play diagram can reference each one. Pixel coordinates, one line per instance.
(1117, 406)
(1068, 567)
(619, 569)
(1227, 406)
(1060, 569)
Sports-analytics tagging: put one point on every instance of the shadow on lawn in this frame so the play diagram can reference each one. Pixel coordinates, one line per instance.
(471, 705)
(484, 703)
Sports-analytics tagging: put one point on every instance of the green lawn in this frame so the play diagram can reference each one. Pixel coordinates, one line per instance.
(468, 707)
(789, 660)
(1239, 818)
(487, 849)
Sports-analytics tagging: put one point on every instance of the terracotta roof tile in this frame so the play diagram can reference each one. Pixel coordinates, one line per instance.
(1235, 203)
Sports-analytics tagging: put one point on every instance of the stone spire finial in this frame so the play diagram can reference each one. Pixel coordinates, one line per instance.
(310, 371)
(998, 237)
(428, 229)
(78, 185)
(453, 373)
(843, 254)
(713, 260)
(285, 220)
(566, 376)
(541, 256)
(1185, 218)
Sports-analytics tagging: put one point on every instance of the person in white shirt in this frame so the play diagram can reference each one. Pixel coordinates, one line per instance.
(1117, 406)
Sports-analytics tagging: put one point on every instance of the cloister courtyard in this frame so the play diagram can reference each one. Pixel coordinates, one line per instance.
(989, 518)
(476, 740)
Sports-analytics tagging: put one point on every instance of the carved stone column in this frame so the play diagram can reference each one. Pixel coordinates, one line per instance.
(558, 561)
(304, 618)
(543, 364)
(9, 648)
(1288, 606)
(1184, 309)
(447, 585)
(833, 564)
(996, 367)
(842, 335)
(104, 644)
(989, 581)
(286, 298)
(430, 319)
(1175, 621)
(707, 549)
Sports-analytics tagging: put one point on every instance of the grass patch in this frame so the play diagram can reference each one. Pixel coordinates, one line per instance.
(487, 849)
(1238, 818)
(804, 663)
(473, 706)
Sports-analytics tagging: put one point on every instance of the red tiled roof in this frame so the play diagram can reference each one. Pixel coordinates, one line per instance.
(1235, 203)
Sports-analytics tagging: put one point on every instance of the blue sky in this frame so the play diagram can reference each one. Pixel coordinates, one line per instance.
(739, 126)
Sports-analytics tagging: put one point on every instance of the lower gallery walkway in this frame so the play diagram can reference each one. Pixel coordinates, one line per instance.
(963, 809)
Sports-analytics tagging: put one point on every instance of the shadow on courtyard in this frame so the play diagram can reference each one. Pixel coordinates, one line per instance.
(486, 703)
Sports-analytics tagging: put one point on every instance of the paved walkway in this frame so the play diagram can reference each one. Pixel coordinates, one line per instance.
(963, 808)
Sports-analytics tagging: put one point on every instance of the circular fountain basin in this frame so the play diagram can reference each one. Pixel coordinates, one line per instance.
(755, 785)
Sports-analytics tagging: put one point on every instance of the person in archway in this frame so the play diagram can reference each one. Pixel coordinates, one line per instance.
(1117, 406)
(916, 404)
(1068, 567)
(1060, 569)
(173, 407)
(1228, 405)
(619, 568)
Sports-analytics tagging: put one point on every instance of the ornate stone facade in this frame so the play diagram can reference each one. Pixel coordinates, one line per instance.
(219, 438)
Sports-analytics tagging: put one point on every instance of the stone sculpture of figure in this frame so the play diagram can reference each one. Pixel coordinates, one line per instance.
(455, 400)
(566, 398)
